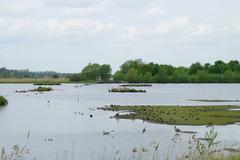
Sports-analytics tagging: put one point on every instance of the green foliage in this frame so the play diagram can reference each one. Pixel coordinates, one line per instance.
(180, 115)
(136, 71)
(3, 101)
(205, 148)
(93, 73)
(42, 89)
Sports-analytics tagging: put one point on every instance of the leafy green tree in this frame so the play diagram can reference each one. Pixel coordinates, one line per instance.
(91, 72)
(147, 77)
(105, 72)
(195, 67)
(131, 75)
(118, 76)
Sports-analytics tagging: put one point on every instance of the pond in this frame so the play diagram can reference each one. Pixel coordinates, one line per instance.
(61, 127)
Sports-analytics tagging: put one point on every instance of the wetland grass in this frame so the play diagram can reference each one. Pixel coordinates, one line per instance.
(179, 115)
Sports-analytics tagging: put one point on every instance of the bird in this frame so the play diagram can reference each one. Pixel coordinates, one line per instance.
(106, 133)
(144, 130)
(91, 115)
(176, 129)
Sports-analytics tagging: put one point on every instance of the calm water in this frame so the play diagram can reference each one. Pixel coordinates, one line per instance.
(80, 137)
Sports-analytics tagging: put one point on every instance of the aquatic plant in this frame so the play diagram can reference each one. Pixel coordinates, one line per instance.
(3, 101)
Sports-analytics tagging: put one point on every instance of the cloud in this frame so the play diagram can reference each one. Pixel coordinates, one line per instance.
(154, 11)
(175, 24)
(202, 29)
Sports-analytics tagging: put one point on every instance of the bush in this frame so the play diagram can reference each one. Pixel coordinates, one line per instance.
(3, 101)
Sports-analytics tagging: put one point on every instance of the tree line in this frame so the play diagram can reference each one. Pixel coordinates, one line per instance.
(136, 71)
(10, 73)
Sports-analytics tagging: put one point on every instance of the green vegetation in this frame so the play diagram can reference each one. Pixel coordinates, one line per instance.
(46, 83)
(215, 100)
(42, 89)
(34, 80)
(180, 115)
(93, 73)
(26, 73)
(124, 89)
(136, 71)
(135, 85)
(3, 101)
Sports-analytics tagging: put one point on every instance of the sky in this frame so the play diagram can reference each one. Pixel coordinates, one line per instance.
(65, 35)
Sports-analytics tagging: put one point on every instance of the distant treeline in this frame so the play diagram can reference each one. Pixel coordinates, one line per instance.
(10, 73)
(136, 71)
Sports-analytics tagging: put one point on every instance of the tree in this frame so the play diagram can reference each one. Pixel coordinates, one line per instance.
(147, 77)
(105, 72)
(131, 75)
(118, 76)
(91, 72)
(195, 67)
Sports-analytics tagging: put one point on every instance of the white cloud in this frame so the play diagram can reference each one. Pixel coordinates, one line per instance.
(202, 29)
(154, 11)
(175, 24)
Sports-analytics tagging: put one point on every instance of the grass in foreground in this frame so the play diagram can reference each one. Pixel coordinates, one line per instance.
(3, 101)
(179, 115)
(125, 89)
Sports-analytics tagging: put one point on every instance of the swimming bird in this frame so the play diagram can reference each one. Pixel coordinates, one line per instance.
(176, 129)
(91, 115)
(106, 133)
(144, 130)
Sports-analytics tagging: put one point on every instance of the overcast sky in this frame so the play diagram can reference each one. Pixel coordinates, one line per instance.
(64, 35)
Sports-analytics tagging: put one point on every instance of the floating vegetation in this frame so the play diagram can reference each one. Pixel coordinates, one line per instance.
(215, 100)
(125, 89)
(3, 101)
(179, 115)
(46, 83)
(42, 89)
(135, 85)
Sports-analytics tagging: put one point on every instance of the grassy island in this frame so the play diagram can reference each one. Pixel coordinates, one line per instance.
(179, 115)
(3, 101)
(46, 83)
(42, 89)
(125, 89)
(215, 100)
(135, 85)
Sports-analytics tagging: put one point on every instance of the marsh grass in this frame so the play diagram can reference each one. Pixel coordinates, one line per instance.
(179, 115)
(16, 152)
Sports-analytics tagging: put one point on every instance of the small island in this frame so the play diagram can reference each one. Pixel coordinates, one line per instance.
(126, 90)
(215, 100)
(135, 85)
(179, 115)
(3, 101)
(42, 89)
(46, 84)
